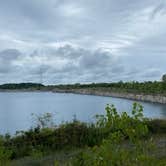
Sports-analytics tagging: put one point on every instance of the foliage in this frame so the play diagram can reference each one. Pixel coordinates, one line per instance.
(5, 153)
(156, 88)
(114, 151)
(13, 86)
(149, 87)
(46, 140)
(43, 120)
(130, 127)
(115, 139)
(156, 125)
(164, 78)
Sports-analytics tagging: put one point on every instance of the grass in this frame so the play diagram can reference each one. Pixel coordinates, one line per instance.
(64, 157)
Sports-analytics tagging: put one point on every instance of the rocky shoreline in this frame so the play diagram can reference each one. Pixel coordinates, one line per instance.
(140, 97)
(99, 92)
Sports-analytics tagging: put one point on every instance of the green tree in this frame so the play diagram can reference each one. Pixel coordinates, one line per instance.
(164, 78)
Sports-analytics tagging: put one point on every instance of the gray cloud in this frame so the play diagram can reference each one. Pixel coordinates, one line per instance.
(7, 58)
(77, 64)
(82, 40)
(159, 9)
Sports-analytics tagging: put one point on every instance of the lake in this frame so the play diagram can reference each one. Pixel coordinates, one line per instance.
(16, 108)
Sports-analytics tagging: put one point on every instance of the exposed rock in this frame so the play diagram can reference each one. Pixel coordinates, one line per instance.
(140, 97)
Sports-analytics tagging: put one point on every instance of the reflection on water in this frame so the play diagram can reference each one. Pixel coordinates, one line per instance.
(16, 108)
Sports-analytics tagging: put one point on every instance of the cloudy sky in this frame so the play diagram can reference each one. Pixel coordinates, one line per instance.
(69, 41)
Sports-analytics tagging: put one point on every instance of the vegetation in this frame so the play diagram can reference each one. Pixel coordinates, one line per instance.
(154, 88)
(124, 87)
(114, 150)
(164, 78)
(115, 139)
(13, 86)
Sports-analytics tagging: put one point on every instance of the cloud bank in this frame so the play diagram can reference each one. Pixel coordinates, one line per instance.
(82, 41)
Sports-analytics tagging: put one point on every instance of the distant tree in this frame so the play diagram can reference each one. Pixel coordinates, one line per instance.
(164, 78)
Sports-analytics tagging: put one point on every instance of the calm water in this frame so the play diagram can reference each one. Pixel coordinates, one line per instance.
(16, 108)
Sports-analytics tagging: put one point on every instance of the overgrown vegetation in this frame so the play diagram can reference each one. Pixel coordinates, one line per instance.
(115, 139)
(128, 142)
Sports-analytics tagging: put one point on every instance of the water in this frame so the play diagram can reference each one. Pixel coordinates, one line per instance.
(16, 108)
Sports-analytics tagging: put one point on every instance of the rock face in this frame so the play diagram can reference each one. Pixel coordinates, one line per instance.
(140, 97)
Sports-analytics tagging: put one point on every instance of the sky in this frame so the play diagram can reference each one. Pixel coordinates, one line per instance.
(82, 41)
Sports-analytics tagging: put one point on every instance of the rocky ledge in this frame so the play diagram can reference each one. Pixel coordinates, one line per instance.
(140, 97)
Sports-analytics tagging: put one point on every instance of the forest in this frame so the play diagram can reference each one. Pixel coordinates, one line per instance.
(130, 87)
(15, 86)
(149, 87)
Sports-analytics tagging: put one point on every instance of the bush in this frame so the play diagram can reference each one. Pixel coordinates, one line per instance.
(114, 150)
(157, 125)
(5, 153)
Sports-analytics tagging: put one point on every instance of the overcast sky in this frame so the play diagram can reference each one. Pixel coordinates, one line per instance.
(69, 41)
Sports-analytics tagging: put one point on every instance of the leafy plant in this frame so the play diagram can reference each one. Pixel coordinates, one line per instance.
(44, 120)
(5, 154)
(124, 145)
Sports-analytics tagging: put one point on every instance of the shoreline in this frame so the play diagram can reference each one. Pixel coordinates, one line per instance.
(97, 92)
(139, 97)
(23, 90)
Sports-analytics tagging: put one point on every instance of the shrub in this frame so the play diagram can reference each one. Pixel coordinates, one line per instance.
(5, 153)
(116, 150)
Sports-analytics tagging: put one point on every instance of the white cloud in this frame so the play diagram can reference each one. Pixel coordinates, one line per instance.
(82, 40)
(70, 10)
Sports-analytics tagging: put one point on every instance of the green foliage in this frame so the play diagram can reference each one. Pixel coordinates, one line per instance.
(164, 78)
(156, 125)
(114, 151)
(5, 153)
(35, 153)
(112, 154)
(154, 88)
(130, 127)
(40, 141)
(13, 86)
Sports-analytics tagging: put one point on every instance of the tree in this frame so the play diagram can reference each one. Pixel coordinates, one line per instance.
(164, 78)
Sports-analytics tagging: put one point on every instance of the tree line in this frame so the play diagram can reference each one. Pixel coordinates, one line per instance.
(13, 86)
(149, 87)
(130, 87)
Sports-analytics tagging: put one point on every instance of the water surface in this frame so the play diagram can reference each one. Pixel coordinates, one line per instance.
(16, 108)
